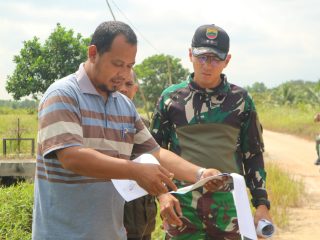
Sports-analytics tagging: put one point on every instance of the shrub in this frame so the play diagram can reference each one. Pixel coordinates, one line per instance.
(16, 211)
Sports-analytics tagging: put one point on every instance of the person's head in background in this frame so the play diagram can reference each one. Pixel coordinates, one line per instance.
(129, 87)
(209, 54)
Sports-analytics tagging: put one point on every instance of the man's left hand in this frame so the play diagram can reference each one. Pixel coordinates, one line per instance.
(170, 209)
(215, 184)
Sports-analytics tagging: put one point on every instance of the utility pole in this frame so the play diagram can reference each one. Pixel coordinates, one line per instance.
(169, 71)
(111, 10)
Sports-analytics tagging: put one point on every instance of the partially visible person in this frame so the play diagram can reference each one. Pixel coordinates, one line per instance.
(317, 119)
(213, 124)
(140, 214)
(87, 132)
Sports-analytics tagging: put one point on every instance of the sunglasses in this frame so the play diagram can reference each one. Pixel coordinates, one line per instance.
(212, 59)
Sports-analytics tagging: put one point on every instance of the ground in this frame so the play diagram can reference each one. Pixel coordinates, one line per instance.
(297, 156)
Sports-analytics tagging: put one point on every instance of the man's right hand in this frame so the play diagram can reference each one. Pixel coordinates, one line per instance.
(153, 178)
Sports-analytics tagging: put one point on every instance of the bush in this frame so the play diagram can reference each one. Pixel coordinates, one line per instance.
(16, 211)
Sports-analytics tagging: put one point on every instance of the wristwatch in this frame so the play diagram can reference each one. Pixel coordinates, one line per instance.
(199, 173)
(261, 201)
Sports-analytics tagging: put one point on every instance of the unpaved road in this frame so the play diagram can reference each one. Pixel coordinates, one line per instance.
(297, 156)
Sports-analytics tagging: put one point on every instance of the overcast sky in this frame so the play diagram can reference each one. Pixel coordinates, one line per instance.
(272, 41)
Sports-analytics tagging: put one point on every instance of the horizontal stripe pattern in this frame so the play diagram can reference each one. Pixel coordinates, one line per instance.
(104, 144)
(53, 100)
(68, 117)
(59, 128)
(57, 116)
(71, 181)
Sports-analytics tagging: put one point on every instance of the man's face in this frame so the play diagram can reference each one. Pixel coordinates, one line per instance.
(129, 87)
(110, 69)
(207, 69)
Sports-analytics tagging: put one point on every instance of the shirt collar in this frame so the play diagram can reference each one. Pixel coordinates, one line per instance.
(85, 83)
(223, 87)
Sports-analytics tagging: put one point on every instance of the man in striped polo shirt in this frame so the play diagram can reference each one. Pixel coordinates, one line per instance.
(86, 135)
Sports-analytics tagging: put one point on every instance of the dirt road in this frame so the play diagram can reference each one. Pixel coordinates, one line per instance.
(297, 156)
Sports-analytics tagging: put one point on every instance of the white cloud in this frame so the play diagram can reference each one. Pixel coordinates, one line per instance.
(271, 41)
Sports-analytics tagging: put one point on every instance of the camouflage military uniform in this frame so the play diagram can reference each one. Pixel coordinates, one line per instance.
(213, 128)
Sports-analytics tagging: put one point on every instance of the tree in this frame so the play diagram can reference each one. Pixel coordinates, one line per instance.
(38, 66)
(156, 73)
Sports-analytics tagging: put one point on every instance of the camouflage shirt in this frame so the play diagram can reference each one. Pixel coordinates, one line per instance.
(214, 128)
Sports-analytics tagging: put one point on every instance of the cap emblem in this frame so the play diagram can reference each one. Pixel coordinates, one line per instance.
(212, 33)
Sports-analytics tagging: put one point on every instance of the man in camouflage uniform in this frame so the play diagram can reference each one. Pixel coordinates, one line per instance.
(214, 124)
(317, 119)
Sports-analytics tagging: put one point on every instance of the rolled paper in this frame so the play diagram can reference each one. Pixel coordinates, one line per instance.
(265, 228)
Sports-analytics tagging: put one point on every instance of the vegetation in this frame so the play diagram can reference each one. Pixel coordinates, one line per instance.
(289, 108)
(284, 191)
(28, 124)
(155, 74)
(37, 66)
(16, 212)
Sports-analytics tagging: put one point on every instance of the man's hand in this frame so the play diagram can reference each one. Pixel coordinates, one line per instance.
(170, 209)
(153, 178)
(215, 184)
(262, 212)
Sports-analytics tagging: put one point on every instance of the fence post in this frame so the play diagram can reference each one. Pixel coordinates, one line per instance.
(32, 147)
(4, 147)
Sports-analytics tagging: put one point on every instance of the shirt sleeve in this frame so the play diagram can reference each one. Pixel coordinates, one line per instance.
(59, 123)
(143, 140)
(252, 147)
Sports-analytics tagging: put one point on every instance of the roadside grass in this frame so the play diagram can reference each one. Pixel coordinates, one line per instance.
(296, 120)
(285, 191)
(16, 204)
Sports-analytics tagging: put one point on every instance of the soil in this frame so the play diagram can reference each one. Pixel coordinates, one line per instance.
(297, 156)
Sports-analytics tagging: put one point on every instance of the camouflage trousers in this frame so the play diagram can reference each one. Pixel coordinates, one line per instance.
(205, 216)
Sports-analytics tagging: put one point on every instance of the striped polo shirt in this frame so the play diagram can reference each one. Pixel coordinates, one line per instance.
(72, 113)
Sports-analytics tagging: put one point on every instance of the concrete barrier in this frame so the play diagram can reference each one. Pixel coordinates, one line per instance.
(22, 168)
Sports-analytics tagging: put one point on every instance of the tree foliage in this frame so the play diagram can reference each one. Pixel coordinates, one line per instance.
(38, 66)
(154, 75)
(290, 93)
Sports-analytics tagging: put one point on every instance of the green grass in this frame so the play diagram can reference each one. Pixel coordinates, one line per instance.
(8, 129)
(296, 120)
(285, 191)
(16, 212)
(16, 204)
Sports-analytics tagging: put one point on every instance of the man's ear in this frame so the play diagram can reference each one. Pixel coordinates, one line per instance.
(135, 88)
(92, 52)
(190, 54)
(228, 59)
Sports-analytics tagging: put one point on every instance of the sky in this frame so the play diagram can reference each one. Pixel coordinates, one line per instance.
(271, 41)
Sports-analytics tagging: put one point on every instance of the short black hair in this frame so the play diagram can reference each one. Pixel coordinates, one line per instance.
(105, 33)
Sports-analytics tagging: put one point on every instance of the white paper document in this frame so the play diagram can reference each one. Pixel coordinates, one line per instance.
(239, 192)
(240, 197)
(198, 184)
(130, 189)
